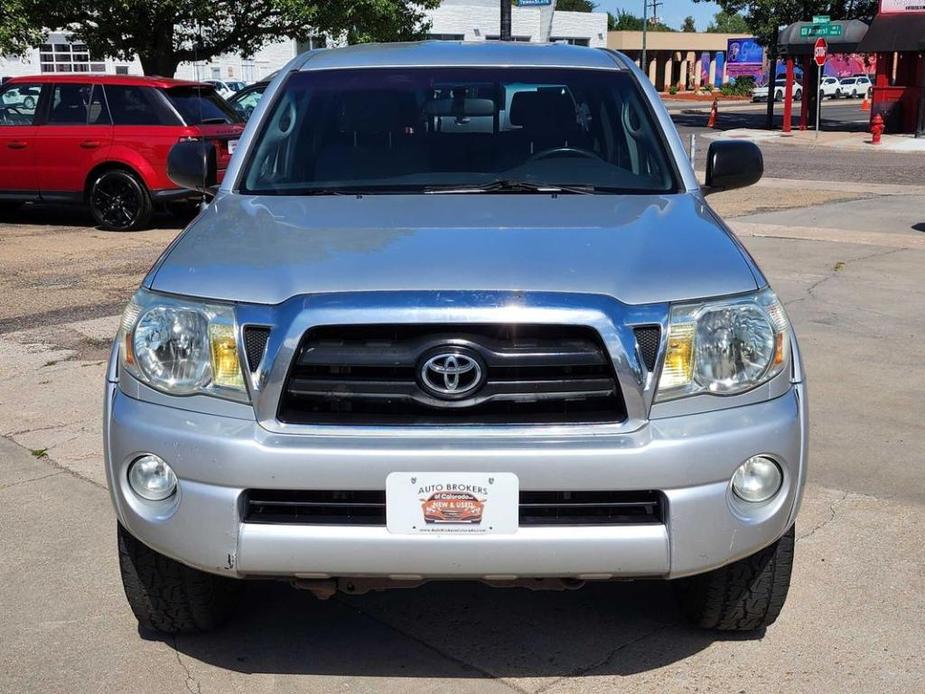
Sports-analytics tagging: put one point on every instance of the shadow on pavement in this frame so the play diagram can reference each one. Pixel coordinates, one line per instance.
(77, 216)
(453, 630)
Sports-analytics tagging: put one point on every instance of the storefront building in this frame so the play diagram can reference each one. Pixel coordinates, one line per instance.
(684, 60)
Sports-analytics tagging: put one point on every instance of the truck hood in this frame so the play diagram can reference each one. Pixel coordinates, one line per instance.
(637, 249)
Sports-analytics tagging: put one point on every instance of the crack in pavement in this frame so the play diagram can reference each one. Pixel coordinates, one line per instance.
(811, 289)
(48, 460)
(186, 671)
(578, 672)
(4, 487)
(832, 514)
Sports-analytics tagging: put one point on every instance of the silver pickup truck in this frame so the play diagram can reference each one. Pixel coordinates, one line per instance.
(456, 311)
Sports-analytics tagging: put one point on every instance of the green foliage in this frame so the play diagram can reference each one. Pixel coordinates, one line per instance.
(728, 23)
(741, 87)
(764, 18)
(627, 21)
(575, 6)
(689, 26)
(164, 33)
(673, 89)
(17, 32)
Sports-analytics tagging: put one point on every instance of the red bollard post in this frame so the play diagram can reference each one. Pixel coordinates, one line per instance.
(714, 112)
(876, 128)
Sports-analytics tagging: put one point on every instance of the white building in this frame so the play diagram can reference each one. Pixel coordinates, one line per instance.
(480, 20)
(461, 20)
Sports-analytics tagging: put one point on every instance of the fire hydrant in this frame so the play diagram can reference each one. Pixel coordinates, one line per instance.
(876, 128)
(714, 112)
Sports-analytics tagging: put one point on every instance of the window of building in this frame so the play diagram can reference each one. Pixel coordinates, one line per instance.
(446, 37)
(312, 43)
(495, 37)
(216, 73)
(64, 56)
(571, 41)
(121, 69)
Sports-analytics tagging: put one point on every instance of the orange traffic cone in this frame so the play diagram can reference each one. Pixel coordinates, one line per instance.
(714, 112)
(865, 105)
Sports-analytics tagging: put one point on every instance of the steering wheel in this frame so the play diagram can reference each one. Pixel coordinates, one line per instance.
(7, 111)
(564, 151)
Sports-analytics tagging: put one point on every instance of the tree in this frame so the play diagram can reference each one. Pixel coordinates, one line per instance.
(688, 26)
(17, 32)
(728, 23)
(575, 6)
(164, 33)
(626, 21)
(765, 18)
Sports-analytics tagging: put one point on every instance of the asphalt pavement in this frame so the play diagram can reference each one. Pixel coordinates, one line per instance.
(804, 163)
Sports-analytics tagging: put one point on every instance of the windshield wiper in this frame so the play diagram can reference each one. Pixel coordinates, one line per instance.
(503, 185)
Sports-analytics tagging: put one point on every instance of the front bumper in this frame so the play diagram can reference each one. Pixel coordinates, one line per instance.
(689, 458)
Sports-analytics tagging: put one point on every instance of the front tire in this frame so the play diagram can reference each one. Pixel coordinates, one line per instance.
(745, 595)
(119, 201)
(168, 596)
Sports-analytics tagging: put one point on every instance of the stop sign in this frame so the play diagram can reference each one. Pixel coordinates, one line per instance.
(820, 51)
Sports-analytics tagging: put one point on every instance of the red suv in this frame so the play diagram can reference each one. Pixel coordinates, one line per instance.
(103, 140)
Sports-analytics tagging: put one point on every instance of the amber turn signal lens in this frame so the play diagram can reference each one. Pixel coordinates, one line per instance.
(226, 367)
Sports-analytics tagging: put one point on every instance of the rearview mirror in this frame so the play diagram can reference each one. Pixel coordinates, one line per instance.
(193, 165)
(733, 164)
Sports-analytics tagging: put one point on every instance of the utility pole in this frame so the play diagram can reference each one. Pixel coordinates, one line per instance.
(505, 20)
(645, 21)
(645, 26)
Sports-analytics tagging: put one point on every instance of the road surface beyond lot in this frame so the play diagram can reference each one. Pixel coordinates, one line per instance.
(848, 262)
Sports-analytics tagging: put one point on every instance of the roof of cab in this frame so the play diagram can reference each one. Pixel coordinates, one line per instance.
(461, 54)
(102, 78)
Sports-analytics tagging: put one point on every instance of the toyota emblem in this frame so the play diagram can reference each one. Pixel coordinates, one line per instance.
(451, 375)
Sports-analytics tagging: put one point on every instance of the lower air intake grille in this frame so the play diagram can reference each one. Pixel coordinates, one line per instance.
(526, 374)
(364, 507)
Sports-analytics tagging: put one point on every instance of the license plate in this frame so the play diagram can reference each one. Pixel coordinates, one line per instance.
(448, 503)
(232, 146)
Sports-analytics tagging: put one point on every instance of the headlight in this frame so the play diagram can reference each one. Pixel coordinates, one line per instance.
(181, 347)
(724, 347)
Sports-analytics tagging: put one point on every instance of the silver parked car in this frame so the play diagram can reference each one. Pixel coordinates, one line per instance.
(457, 311)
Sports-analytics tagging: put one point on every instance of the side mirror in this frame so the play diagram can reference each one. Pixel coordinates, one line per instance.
(733, 164)
(193, 165)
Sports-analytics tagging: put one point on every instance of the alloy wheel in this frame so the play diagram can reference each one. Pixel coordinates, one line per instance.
(117, 201)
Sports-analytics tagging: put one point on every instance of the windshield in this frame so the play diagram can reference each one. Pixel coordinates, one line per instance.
(459, 129)
(201, 106)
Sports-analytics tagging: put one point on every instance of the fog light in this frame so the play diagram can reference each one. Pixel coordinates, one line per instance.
(151, 478)
(757, 479)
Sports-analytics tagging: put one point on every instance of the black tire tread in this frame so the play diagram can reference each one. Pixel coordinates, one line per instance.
(171, 597)
(745, 595)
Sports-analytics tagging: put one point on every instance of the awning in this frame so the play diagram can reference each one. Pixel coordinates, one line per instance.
(895, 32)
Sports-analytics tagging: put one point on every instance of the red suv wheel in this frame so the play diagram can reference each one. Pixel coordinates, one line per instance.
(119, 201)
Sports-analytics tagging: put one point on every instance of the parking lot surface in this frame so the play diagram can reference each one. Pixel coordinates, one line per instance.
(847, 259)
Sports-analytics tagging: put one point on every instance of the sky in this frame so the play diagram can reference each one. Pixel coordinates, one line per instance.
(672, 12)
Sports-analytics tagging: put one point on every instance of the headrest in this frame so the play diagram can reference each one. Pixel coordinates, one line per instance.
(369, 112)
(544, 111)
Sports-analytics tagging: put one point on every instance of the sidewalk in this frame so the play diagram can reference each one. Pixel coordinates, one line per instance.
(836, 139)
